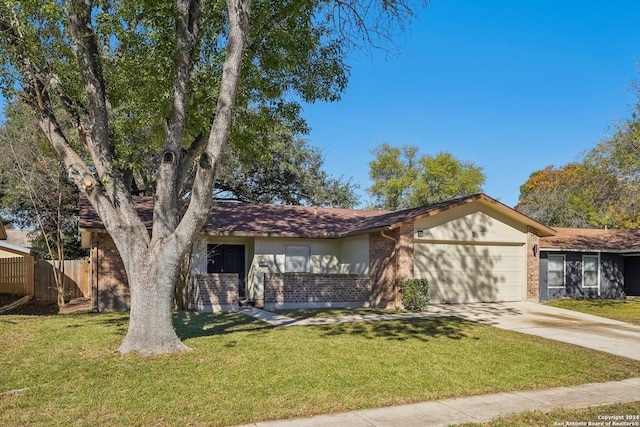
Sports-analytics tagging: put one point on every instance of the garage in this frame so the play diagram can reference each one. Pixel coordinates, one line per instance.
(473, 253)
(468, 272)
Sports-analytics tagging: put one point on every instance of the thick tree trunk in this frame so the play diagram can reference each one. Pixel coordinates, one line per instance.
(152, 280)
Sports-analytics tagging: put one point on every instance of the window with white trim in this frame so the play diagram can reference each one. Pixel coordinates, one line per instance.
(590, 271)
(296, 259)
(556, 276)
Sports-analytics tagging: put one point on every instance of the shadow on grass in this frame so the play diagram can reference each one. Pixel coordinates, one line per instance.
(190, 324)
(422, 329)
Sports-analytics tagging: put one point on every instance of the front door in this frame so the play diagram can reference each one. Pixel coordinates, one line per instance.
(227, 259)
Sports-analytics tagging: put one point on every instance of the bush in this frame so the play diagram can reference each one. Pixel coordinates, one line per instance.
(415, 294)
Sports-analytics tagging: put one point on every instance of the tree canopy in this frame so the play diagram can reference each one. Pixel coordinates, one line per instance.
(182, 79)
(292, 174)
(34, 190)
(401, 179)
(601, 189)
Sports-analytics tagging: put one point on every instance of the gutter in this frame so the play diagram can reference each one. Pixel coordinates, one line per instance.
(623, 252)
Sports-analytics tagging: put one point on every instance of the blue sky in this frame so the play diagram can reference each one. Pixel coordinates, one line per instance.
(511, 85)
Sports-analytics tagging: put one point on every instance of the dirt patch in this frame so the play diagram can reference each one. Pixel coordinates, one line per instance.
(40, 308)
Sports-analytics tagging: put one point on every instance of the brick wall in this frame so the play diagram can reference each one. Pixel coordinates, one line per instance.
(405, 252)
(533, 268)
(213, 292)
(108, 275)
(290, 289)
(382, 266)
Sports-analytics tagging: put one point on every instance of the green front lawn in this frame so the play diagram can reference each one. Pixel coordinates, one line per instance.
(241, 370)
(623, 310)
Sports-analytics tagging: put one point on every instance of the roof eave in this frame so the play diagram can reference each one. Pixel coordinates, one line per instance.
(611, 251)
(10, 247)
(539, 229)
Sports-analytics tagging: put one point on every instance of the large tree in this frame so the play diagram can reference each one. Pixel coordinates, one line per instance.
(291, 173)
(601, 189)
(402, 180)
(172, 77)
(571, 195)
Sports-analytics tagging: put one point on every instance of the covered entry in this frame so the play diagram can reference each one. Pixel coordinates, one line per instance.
(228, 259)
(468, 272)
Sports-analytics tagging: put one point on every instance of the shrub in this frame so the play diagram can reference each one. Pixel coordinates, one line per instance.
(415, 294)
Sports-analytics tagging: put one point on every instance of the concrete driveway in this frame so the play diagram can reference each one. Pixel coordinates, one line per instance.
(598, 333)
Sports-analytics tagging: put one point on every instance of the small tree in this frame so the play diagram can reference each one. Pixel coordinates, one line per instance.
(415, 294)
(37, 194)
(403, 180)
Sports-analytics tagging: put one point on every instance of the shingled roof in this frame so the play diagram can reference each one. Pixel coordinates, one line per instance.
(587, 239)
(245, 219)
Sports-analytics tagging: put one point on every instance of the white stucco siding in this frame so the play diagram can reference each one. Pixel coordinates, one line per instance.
(354, 255)
(323, 254)
(471, 253)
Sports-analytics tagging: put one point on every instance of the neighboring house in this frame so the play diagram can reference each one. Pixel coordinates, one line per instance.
(16, 266)
(13, 243)
(589, 263)
(470, 249)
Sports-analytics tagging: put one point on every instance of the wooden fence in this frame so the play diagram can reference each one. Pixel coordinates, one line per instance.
(26, 276)
(76, 280)
(16, 275)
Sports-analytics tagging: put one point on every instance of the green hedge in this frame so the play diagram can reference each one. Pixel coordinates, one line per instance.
(415, 294)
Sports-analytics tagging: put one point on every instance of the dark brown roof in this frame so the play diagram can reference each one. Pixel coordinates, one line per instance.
(593, 239)
(244, 219)
(89, 218)
(287, 221)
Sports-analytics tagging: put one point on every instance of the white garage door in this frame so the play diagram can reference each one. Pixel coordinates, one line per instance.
(459, 273)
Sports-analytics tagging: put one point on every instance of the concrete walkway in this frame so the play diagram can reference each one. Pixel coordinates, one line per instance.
(475, 408)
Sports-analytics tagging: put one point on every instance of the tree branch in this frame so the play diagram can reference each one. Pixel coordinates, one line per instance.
(88, 55)
(201, 196)
(168, 183)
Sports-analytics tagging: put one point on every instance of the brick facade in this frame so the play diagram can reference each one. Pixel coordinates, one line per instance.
(307, 289)
(213, 292)
(382, 266)
(405, 252)
(109, 284)
(533, 267)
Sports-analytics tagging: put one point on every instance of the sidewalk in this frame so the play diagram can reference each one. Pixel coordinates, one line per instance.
(475, 408)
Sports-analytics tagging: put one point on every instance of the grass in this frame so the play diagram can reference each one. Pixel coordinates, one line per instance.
(623, 310)
(630, 413)
(242, 371)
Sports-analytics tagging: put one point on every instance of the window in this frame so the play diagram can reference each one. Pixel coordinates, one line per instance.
(296, 259)
(556, 271)
(589, 271)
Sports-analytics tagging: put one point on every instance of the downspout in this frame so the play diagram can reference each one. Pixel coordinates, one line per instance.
(94, 273)
(395, 268)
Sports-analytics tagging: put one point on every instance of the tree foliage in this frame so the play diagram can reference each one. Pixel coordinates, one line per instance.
(402, 180)
(292, 174)
(36, 193)
(602, 189)
(182, 79)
